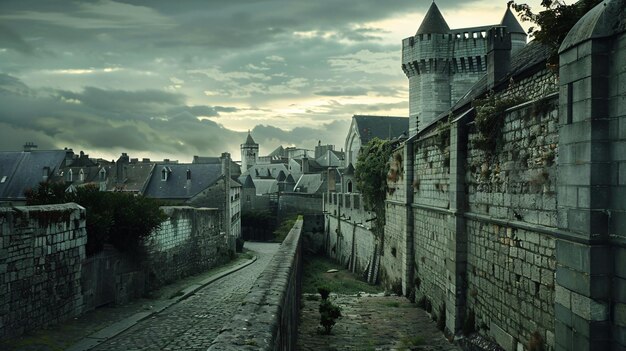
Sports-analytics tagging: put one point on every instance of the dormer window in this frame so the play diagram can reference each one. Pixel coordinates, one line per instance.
(165, 173)
(70, 175)
(102, 175)
(188, 174)
(46, 173)
(81, 175)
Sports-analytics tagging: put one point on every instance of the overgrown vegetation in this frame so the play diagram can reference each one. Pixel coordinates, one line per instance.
(342, 282)
(283, 229)
(490, 119)
(258, 225)
(329, 312)
(120, 219)
(371, 172)
(554, 22)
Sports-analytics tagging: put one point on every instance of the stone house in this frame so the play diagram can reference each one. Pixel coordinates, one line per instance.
(23, 170)
(200, 185)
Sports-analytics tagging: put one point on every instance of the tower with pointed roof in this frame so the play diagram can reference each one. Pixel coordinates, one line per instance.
(443, 64)
(249, 153)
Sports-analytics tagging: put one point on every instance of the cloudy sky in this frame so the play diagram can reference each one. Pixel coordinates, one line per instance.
(173, 79)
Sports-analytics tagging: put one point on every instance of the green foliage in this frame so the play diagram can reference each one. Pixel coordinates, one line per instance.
(490, 118)
(343, 282)
(283, 229)
(555, 21)
(120, 219)
(324, 292)
(329, 313)
(258, 225)
(371, 172)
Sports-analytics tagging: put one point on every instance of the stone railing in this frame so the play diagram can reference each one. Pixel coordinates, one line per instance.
(268, 316)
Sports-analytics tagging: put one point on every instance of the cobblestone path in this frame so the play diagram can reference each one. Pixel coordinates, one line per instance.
(193, 323)
(371, 323)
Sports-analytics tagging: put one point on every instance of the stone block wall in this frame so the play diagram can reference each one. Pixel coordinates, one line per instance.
(292, 204)
(41, 251)
(511, 282)
(189, 241)
(268, 316)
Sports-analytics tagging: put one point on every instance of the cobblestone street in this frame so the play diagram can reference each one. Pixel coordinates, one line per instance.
(193, 323)
(371, 322)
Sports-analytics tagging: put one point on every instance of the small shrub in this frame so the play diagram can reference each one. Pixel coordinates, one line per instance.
(324, 292)
(329, 313)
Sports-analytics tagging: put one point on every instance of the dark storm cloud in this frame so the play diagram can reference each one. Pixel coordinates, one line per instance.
(11, 40)
(57, 118)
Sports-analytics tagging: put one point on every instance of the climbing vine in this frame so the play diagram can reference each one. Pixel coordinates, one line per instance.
(490, 118)
(371, 172)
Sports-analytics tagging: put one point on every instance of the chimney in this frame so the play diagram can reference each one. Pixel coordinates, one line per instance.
(29, 146)
(498, 55)
(225, 158)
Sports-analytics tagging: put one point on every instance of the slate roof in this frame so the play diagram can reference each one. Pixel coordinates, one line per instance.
(380, 127)
(267, 170)
(24, 170)
(335, 160)
(279, 151)
(176, 187)
(247, 181)
(433, 22)
(309, 183)
(137, 177)
(265, 186)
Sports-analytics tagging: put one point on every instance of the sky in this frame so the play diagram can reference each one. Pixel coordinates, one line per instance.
(173, 79)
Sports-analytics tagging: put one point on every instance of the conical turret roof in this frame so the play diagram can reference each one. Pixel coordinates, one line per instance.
(511, 23)
(433, 22)
(249, 140)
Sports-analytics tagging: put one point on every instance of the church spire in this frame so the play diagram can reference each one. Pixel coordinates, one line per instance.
(433, 22)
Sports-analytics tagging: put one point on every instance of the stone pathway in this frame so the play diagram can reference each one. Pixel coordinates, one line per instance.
(371, 322)
(193, 323)
(86, 331)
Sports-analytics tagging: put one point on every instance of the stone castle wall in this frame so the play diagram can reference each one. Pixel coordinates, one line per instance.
(41, 252)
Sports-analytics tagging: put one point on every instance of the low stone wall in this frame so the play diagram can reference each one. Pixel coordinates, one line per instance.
(41, 251)
(188, 242)
(268, 317)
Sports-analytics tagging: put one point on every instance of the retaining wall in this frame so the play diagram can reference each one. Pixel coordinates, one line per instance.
(268, 316)
(41, 251)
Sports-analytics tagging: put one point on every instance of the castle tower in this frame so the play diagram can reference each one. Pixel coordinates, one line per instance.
(425, 61)
(249, 153)
(443, 64)
(518, 35)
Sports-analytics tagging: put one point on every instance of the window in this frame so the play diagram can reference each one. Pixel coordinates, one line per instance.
(81, 175)
(164, 175)
(102, 175)
(188, 174)
(70, 176)
(349, 186)
(4, 179)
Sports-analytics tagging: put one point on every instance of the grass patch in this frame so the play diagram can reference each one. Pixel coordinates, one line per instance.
(283, 229)
(392, 304)
(411, 341)
(342, 282)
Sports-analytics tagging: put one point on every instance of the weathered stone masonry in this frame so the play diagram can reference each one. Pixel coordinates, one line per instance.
(41, 252)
